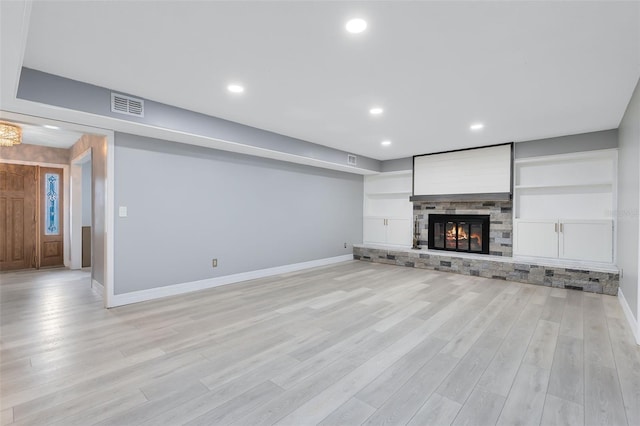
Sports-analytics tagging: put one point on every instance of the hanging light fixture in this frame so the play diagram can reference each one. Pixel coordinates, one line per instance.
(10, 134)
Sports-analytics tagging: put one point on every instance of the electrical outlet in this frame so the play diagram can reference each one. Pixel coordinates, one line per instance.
(214, 263)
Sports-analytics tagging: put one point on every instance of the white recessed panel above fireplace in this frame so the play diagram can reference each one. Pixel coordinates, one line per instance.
(473, 171)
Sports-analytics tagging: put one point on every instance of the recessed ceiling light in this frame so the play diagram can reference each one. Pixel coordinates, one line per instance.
(356, 25)
(376, 111)
(235, 88)
(477, 126)
(385, 143)
(48, 126)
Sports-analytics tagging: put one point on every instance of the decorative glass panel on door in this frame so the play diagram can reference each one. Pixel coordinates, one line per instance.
(52, 204)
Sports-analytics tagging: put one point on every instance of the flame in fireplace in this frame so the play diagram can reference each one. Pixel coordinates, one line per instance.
(451, 233)
(462, 235)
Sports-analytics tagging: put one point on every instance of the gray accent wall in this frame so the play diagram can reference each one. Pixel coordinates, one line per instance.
(605, 139)
(628, 213)
(51, 89)
(397, 165)
(187, 205)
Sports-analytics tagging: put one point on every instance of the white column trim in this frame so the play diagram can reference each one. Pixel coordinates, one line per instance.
(110, 211)
(75, 209)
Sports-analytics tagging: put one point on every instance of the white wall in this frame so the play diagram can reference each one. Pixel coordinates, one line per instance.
(187, 205)
(472, 171)
(629, 203)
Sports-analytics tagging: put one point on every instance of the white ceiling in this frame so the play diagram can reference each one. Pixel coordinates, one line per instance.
(39, 135)
(527, 70)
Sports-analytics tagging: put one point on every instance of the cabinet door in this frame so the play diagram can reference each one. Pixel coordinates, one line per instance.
(374, 230)
(399, 232)
(535, 238)
(586, 240)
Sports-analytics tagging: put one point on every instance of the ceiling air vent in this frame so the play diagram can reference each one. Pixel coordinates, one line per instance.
(352, 159)
(127, 105)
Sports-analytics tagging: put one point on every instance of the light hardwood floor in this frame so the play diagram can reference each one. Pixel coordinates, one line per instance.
(349, 344)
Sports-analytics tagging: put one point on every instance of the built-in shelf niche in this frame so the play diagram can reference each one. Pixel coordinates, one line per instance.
(387, 209)
(564, 206)
(577, 186)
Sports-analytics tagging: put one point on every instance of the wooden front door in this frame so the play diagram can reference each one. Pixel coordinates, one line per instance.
(51, 230)
(17, 217)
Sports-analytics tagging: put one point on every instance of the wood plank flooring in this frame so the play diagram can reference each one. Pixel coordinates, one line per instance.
(348, 344)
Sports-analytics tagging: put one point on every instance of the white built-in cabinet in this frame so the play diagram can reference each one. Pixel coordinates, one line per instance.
(387, 211)
(564, 204)
(565, 239)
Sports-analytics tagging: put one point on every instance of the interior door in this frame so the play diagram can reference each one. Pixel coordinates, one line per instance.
(51, 230)
(17, 217)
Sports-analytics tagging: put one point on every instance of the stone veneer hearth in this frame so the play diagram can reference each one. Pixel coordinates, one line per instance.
(500, 217)
(593, 280)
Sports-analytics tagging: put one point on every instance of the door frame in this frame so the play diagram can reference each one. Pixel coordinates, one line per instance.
(76, 208)
(65, 204)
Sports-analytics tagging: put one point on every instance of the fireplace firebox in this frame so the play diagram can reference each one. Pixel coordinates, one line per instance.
(457, 232)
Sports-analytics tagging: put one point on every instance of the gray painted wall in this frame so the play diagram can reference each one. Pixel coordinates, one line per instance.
(566, 144)
(50, 89)
(187, 205)
(628, 200)
(86, 194)
(399, 164)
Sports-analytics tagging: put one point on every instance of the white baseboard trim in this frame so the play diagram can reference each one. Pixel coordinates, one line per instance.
(176, 289)
(99, 288)
(635, 327)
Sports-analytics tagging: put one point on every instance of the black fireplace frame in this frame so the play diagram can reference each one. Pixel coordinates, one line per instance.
(459, 218)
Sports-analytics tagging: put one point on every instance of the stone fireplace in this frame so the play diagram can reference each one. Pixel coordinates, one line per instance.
(500, 234)
(458, 232)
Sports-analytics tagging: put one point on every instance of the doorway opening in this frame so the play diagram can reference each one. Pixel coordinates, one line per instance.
(74, 148)
(81, 211)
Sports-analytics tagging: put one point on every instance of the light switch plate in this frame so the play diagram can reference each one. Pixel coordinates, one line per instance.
(122, 211)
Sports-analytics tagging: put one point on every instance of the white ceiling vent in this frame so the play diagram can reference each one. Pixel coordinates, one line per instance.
(123, 104)
(352, 159)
